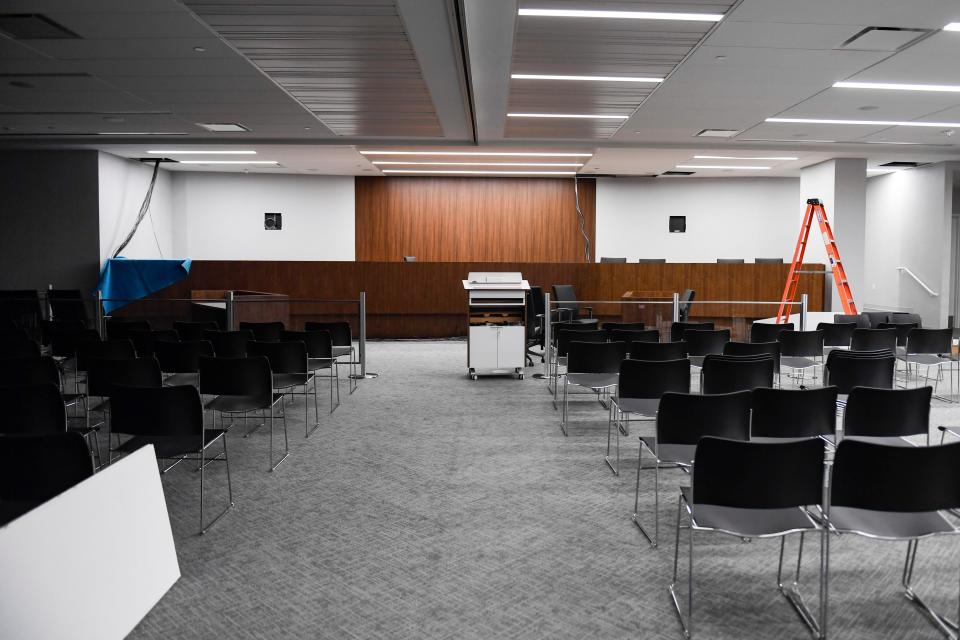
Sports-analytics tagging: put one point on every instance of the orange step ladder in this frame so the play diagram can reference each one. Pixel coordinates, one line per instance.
(815, 208)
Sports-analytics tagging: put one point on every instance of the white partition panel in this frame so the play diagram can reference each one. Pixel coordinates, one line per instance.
(91, 562)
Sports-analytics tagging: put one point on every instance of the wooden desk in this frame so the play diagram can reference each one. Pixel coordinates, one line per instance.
(653, 316)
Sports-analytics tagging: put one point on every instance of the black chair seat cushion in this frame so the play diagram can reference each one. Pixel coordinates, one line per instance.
(645, 406)
(287, 380)
(170, 446)
(797, 362)
(752, 523)
(889, 524)
(237, 404)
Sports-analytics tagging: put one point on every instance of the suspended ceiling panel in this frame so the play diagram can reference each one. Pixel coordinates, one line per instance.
(349, 62)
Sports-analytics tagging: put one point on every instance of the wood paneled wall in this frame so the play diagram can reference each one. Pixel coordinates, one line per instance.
(426, 299)
(470, 219)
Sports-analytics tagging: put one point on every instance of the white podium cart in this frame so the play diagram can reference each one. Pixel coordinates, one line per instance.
(496, 319)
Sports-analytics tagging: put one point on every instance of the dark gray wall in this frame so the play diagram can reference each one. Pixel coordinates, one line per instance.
(49, 210)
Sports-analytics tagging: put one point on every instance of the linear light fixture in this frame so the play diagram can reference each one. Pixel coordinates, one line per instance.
(953, 26)
(896, 86)
(481, 164)
(185, 152)
(141, 133)
(533, 76)
(622, 15)
(745, 158)
(883, 170)
(782, 140)
(499, 173)
(513, 154)
(566, 115)
(876, 123)
(227, 162)
(721, 166)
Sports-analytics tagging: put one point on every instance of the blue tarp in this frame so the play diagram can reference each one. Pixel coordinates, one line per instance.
(122, 280)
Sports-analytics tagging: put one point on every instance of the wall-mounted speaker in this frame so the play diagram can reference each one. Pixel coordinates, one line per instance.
(678, 224)
(272, 221)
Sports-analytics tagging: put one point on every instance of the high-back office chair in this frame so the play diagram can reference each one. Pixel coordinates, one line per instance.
(652, 261)
(768, 260)
(535, 322)
(686, 300)
(567, 305)
(604, 260)
(730, 261)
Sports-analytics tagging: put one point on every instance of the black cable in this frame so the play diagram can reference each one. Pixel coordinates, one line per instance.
(144, 208)
(586, 239)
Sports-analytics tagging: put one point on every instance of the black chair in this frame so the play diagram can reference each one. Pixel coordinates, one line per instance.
(120, 329)
(862, 321)
(896, 493)
(610, 327)
(837, 334)
(730, 260)
(170, 419)
(644, 350)
(755, 349)
(902, 329)
(229, 344)
(876, 317)
(727, 374)
(767, 331)
(592, 365)
(633, 335)
(899, 317)
(30, 370)
(801, 350)
(32, 409)
(288, 363)
(192, 331)
(677, 329)
(320, 357)
(103, 375)
(703, 342)
(180, 361)
(873, 340)
(640, 385)
(848, 369)
(683, 308)
(565, 335)
(888, 416)
(263, 331)
(780, 414)
(36, 468)
(19, 347)
(768, 260)
(605, 260)
(652, 261)
(931, 349)
(682, 420)
(242, 385)
(768, 496)
(144, 342)
(567, 305)
(68, 305)
(104, 350)
(342, 339)
(535, 325)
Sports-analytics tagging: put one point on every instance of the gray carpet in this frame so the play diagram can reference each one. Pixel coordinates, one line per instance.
(430, 506)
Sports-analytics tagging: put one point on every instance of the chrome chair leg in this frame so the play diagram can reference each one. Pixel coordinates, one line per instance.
(945, 625)
(792, 591)
(685, 623)
(606, 457)
(636, 501)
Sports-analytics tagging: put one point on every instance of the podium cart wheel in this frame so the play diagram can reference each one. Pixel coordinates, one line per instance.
(473, 374)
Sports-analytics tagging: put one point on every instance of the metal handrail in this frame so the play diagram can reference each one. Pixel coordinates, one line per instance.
(919, 281)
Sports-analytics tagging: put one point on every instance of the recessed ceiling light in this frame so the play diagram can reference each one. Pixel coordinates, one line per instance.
(184, 152)
(896, 86)
(745, 158)
(200, 49)
(141, 133)
(953, 26)
(228, 162)
(621, 15)
(531, 76)
(504, 173)
(519, 154)
(565, 115)
(222, 127)
(482, 164)
(721, 166)
(876, 123)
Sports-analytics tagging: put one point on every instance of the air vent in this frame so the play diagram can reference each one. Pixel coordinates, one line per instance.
(33, 26)
(900, 164)
(883, 39)
(678, 173)
(718, 133)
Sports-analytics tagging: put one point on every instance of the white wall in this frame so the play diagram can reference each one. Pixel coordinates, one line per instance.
(908, 224)
(726, 218)
(219, 216)
(123, 185)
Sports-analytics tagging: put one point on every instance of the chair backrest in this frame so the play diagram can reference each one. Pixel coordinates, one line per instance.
(837, 334)
(18, 347)
(565, 336)
(930, 341)
(701, 342)
(535, 315)
(340, 332)
(899, 317)
(32, 409)
(622, 326)
(64, 337)
(876, 317)
(754, 349)
(145, 342)
(768, 260)
(566, 298)
(846, 371)
(872, 339)
(862, 322)
(652, 378)
(768, 475)
(285, 357)
(595, 357)
(874, 412)
(889, 478)
(35, 468)
(683, 308)
(684, 418)
(643, 350)
(726, 374)
(118, 329)
(247, 376)
(902, 329)
(229, 344)
(803, 344)
(794, 413)
(263, 331)
(104, 375)
(193, 330)
(165, 411)
(182, 357)
(677, 329)
(633, 335)
(105, 350)
(67, 304)
(319, 344)
(729, 260)
(768, 331)
(31, 370)
(605, 260)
